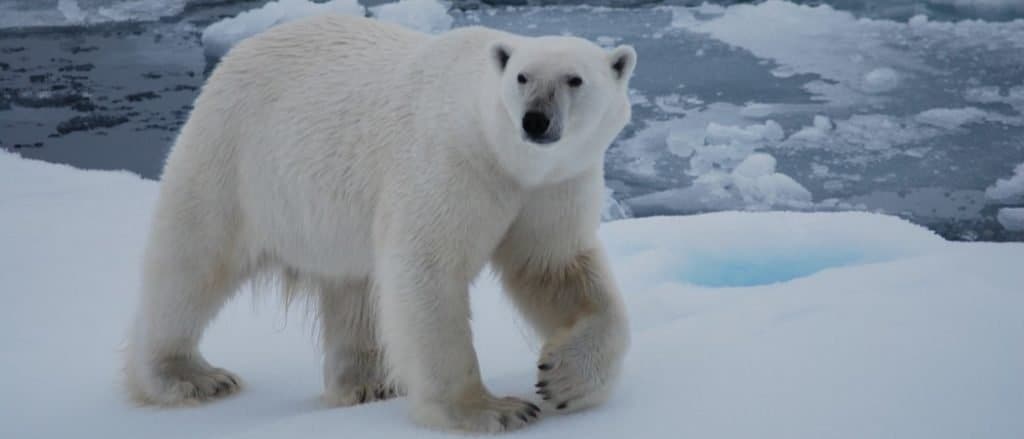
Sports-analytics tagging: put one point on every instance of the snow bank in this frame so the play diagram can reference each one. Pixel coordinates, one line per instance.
(423, 15)
(744, 325)
(745, 248)
(220, 36)
(1008, 189)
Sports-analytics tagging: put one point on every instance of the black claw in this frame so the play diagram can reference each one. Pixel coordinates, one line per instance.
(362, 396)
(541, 384)
(503, 420)
(533, 406)
(544, 366)
(547, 397)
(534, 414)
(562, 405)
(522, 417)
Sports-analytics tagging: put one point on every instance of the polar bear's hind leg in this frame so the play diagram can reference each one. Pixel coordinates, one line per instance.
(191, 268)
(354, 368)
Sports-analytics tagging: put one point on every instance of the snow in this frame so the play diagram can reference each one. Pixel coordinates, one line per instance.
(1008, 189)
(222, 35)
(768, 324)
(1011, 218)
(423, 15)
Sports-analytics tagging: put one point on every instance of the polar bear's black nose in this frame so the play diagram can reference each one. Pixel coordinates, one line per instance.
(535, 123)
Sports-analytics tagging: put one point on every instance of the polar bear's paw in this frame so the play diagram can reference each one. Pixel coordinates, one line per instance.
(349, 395)
(184, 382)
(574, 374)
(483, 414)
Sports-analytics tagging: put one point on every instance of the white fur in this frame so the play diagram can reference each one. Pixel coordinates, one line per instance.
(384, 168)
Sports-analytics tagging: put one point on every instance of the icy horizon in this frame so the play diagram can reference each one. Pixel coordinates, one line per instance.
(914, 109)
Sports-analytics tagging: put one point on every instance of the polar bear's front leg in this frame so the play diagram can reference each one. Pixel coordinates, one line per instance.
(424, 310)
(574, 303)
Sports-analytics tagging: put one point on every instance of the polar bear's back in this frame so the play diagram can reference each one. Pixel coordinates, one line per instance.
(320, 109)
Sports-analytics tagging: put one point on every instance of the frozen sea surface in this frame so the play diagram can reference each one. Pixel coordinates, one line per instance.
(912, 108)
(744, 325)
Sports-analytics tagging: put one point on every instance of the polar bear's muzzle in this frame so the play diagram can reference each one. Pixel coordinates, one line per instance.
(540, 127)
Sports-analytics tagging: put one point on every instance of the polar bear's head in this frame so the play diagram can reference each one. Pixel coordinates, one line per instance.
(561, 101)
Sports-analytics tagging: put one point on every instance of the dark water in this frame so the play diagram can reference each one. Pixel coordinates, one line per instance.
(113, 96)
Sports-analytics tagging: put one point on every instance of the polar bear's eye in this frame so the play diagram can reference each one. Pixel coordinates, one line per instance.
(521, 78)
(575, 81)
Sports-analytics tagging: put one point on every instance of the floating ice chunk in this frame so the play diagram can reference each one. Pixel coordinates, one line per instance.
(755, 165)
(1008, 189)
(983, 5)
(918, 20)
(222, 35)
(683, 17)
(770, 130)
(725, 146)
(819, 130)
(613, 209)
(607, 41)
(870, 133)
(34, 13)
(760, 186)
(1013, 97)
(752, 185)
(952, 118)
(423, 15)
(72, 12)
(823, 123)
(1011, 218)
(757, 110)
(881, 80)
(804, 39)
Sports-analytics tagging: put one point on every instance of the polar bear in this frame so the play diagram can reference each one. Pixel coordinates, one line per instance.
(380, 169)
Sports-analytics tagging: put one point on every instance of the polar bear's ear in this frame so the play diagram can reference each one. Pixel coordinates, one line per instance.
(622, 60)
(500, 53)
